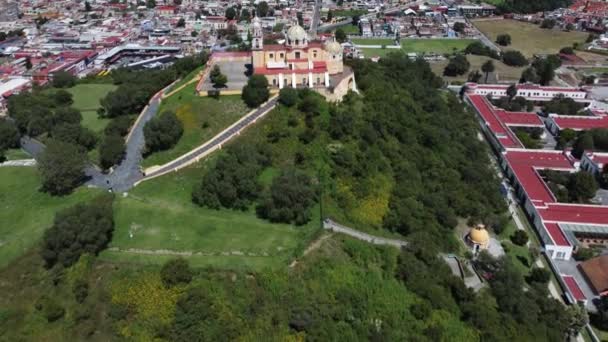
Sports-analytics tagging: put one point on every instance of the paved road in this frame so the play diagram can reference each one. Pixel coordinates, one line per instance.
(128, 172)
(316, 17)
(216, 142)
(336, 227)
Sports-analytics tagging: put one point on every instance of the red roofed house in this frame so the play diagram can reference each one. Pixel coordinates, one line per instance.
(596, 273)
(165, 10)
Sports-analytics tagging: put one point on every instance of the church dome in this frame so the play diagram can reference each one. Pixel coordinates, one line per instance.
(296, 32)
(479, 236)
(333, 47)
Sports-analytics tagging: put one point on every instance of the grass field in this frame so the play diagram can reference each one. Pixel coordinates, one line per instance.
(16, 154)
(350, 29)
(196, 112)
(440, 46)
(529, 38)
(158, 215)
(86, 99)
(371, 41)
(26, 212)
(503, 71)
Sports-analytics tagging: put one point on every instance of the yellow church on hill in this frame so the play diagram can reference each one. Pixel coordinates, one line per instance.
(301, 62)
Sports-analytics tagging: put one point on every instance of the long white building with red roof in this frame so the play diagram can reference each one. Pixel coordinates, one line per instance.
(558, 224)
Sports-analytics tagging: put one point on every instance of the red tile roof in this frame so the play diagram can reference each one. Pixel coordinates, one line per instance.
(557, 235)
(487, 112)
(519, 118)
(581, 122)
(573, 287)
(575, 213)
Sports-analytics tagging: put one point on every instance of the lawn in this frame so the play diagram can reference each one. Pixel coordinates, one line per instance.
(350, 29)
(26, 212)
(503, 71)
(371, 41)
(86, 99)
(528, 38)
(440, 46)
(158, 216)
(16, 154)
(202, 117)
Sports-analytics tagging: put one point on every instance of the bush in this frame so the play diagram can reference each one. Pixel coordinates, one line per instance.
(520, 237)
(514, 58)
(503, 39)
(290, 198)
(52, 310)
(583, 254)
(80, 290)
(63, 79)
(83, 228)
(175, 272)
(478, 48)
(111, 151)
(547, 24)
(119, 126)
(162, 132)
(256, 91)
(568, 50)
(288, 96)
(62, 97)
(9, 135)
(539, 275)
(458, 65)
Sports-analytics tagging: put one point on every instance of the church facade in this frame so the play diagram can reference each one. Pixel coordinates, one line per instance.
(299, 62)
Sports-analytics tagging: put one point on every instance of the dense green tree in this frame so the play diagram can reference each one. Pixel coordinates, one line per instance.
(74, 134)
(9, 135)
(503, 39)
(230, 13)
(458, 65)
(568, 50)
(290, 198)
(487, 68)
(341, 35)
(583, 143)
(233, 182)
(514, 58)
(478, 48)
(83, 228)
(262, 9)
(61, 167)
(520, 237)
(511, 91)
(256, 92)
(288, 96)
(547, 23)
(582, 186)
(459, 27)
(112, 150)
(529, 75)
(524, 6)
(562, 105)
(162, 132)
(63, 79)
(176, 272)
(539, 275)
(62, 97)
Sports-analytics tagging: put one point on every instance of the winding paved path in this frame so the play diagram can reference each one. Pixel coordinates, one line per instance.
(213, 144)
(128, 172)
(336, 227)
